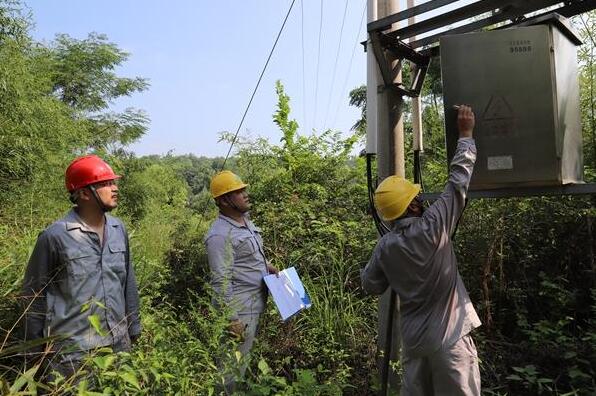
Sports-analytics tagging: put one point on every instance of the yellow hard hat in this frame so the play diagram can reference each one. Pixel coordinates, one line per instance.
(393, 196)
(225, 182)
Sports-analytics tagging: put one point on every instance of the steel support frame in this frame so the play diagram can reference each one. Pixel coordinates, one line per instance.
(503, 10)
(518, 192)
(384, 47)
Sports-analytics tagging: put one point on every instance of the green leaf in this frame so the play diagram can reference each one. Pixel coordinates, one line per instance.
(96, 324)
(155, 373)
(103, 362)
(4, 387)
(574, 372)
(23, 379)
(306, 377)
(264, 367)
(90, 393)
(131, 379)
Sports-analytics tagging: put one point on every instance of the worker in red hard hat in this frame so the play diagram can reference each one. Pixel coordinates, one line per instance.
(89, 174)
(80, 284)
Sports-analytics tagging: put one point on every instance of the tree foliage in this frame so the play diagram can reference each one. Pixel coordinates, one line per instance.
(528, 263)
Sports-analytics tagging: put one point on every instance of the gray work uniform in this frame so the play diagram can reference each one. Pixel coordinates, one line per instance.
(416, 259)
(71, 276)
(238, 266)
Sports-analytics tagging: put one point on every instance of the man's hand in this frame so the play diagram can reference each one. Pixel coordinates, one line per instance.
(236, 329)
(134, 338)
(465, 121)
(272, 270)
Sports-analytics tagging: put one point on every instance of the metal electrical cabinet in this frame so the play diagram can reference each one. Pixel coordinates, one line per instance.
(522, 84)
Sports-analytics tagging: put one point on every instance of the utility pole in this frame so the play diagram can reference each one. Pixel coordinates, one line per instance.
(390, 140)
(416, 111)
(388, 125)
(372, 84)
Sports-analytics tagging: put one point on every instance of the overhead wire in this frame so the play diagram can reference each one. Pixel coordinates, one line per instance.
(318, 64)
(341, 31)
(203, 209)
(258, 83)
(343, 89)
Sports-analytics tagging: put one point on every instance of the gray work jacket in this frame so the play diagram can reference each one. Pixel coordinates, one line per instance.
(238, 265)
(416, 259)
(70, 277)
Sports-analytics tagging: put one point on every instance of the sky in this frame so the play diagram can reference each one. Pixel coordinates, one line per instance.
(203, 58)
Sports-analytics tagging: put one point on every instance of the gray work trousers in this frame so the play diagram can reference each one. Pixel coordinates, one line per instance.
(452, 371)
(72, 364)
(228, 364)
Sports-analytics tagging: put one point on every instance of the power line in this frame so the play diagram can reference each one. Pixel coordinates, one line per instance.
(350, 64)
(314, 121)
(258, 82)
(341, 31)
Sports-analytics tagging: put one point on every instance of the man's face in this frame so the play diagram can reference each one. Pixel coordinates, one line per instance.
(107, 191)
(416, 206)
(240, 200)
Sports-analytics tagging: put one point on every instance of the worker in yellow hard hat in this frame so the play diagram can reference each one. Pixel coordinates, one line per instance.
(396, 195)
(238, 264)
(416, 259)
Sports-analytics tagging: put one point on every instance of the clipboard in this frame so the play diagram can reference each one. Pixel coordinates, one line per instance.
(288, 293)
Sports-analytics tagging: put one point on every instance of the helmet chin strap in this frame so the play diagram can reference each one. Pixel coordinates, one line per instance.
(100, 203)
(232, 204)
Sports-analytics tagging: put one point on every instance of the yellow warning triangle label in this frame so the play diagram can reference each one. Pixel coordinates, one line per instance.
(497, 109)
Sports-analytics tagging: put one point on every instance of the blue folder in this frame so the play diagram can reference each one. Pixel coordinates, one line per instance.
(288, 292)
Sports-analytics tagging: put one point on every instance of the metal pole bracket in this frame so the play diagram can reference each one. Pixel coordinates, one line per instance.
(388, 49)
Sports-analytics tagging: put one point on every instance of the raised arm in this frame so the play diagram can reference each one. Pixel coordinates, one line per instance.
(446, 211)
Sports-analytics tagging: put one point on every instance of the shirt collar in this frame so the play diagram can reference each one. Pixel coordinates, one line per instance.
(405, 222)
(235, 223)
(73, 221)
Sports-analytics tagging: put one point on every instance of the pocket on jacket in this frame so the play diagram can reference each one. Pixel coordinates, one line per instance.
(117, 259)
(80, 262)
(245, 247)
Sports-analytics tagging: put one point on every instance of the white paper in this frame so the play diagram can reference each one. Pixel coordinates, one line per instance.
(288, 293)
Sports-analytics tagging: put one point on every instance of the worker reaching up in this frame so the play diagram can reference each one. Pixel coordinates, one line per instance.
(238, 264)
(416, 259)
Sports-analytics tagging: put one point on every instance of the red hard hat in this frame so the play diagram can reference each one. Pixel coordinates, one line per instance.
(87, 170)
